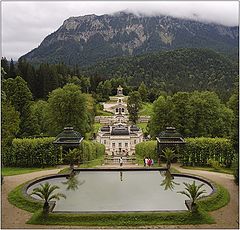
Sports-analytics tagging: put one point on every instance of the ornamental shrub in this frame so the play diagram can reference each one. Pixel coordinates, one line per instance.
(147, 149)
(37, 152)
(198, 151)
(89, 150)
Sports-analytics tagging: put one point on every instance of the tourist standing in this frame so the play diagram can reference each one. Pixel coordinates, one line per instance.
(152, 162)
(121, 161)
(145, 161)
(149, 162)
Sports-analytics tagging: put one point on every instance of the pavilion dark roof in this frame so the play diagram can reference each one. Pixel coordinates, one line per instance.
(68, 137)
(170, 136)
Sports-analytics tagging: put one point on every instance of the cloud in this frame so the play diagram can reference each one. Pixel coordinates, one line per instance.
(26, 24)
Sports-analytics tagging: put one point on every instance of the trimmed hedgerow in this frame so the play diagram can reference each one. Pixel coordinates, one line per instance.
(40, 152)
(200, 151)
(90, 150)
(147, 149)
(37, 152)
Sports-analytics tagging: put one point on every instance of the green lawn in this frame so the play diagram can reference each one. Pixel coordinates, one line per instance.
(100, 111)
(122, 219)
(220, 170)
(146, 110)
(11, 171)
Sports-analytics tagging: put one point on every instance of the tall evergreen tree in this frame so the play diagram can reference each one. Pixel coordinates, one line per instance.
(27, 72)
(12, 70)
(19, 95)
(48, 80)
(5, 66)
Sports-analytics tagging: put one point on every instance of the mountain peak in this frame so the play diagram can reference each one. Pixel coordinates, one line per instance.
(90, 38)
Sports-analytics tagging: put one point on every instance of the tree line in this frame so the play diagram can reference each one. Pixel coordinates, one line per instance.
(165, 72)
(195, 114)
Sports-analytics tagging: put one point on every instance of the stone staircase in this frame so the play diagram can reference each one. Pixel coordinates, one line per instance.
(127, 160)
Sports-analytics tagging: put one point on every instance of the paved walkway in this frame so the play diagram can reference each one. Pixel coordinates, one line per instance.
(226, 217)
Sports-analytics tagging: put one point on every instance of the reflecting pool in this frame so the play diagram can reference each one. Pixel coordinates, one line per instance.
(95, 191)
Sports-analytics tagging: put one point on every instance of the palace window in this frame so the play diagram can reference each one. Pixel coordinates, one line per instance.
(126, 145)
(113, 145)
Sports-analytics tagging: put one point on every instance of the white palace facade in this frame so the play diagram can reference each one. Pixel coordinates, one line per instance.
(117, 135)
(120, 139)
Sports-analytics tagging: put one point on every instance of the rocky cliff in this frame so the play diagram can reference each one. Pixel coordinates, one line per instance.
(88, 39)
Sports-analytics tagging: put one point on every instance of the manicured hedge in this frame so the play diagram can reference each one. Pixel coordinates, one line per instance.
(91, 150)
(37, 152)
(147, 149)
(40, 152)
(198, 151)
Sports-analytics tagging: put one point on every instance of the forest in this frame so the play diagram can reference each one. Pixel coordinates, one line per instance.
(162, 72)
(194, 90)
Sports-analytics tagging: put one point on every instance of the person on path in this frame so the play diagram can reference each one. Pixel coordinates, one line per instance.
(152, 162)
(121, 161)
(149, 162)
(146, 161)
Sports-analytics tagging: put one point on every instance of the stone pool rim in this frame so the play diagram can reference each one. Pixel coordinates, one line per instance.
(53, 203)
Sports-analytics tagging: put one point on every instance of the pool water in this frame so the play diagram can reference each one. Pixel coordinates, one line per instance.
(121, 191)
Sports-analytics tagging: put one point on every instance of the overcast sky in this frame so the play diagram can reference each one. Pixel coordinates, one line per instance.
(26, 24)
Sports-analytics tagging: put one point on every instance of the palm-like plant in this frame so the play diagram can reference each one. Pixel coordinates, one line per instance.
(46, 192)
(73, 183)
(193, 192)
(169, 155)
(72, 156)
(168, 181)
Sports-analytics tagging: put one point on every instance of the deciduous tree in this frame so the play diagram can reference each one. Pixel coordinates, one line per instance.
(67, 107)
(133, 106)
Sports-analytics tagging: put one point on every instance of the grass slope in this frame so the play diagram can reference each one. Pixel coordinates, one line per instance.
(11, 171)
(127, 219)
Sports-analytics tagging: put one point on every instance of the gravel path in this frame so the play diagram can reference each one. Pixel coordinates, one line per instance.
(226, 217)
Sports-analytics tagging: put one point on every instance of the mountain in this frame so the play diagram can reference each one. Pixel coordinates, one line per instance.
(186, 69)
(88, 39)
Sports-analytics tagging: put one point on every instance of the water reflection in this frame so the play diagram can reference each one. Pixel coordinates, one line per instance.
(168, 181)
(121, 176)
(72, 182)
